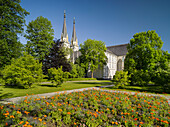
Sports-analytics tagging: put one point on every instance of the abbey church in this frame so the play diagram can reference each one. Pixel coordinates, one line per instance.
(115, 54)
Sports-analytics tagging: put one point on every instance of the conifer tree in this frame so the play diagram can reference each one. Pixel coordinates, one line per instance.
(56, 58)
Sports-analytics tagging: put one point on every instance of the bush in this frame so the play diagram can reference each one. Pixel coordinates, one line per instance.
(23, 72)
(77, 71)
(120, 79)
(57, 76)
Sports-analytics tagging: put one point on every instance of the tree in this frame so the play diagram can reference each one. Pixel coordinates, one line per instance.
(121, 79)
(23, 71)
(11, 25)
(93, 54)
(40, 37)
(143, 57)
(56, 58)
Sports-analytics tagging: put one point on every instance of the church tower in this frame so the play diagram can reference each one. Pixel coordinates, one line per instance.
(64, 35)
(74, 42)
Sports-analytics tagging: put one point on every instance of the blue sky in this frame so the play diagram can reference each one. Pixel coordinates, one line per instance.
(112, 21)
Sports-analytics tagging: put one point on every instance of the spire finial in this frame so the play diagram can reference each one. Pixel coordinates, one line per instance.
(64, 13)
(74, 20)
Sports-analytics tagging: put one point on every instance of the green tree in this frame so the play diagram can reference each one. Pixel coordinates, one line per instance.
(40, 37)
(11, 25)
(143, 57)
(93, 54)
(56, 58)
(121, 79)
(56, 76)
(23, 71)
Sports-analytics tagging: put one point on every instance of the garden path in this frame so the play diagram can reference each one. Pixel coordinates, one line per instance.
(17, 99)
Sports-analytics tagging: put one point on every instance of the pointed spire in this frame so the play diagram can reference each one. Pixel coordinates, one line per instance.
(64, 32)
(74, 38)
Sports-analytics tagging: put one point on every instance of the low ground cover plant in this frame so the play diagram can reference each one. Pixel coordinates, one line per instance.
(88, 108)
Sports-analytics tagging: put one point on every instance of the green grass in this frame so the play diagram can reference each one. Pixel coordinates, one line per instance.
(80, 79)
(7, 92)
(149, 89)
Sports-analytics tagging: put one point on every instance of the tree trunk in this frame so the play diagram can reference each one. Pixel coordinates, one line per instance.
(92, 74)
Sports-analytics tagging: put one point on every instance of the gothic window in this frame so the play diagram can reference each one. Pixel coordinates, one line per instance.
(119, 65)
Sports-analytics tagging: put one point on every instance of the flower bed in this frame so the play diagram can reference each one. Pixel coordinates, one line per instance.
(88, 108)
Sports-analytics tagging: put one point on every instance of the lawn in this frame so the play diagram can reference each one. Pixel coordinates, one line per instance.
(148, 89)
(7, 92)
(92, 108)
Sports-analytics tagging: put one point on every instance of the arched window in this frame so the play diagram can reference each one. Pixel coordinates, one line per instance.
(119, 65)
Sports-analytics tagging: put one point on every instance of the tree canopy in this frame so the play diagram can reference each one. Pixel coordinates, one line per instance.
(93, 54)
(144, 57)
(56, 58)
(11, 25)
(40, 37)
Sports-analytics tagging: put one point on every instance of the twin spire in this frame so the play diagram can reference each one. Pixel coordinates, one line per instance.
(64, 36)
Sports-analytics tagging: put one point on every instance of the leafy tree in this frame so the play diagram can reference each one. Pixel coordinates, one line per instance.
(56, 75)
(121, 78)
(11, 25)
(23, 71)
(56, 58)
(143, 57)
(93, 54)
(40, 37)
(77, 71)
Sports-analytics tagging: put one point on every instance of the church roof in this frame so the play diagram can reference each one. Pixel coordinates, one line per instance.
(118, 50)
(64, 31)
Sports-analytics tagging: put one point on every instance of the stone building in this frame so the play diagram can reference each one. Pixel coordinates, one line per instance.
(115, 54)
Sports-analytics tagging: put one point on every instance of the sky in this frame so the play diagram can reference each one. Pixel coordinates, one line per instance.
(111, 21)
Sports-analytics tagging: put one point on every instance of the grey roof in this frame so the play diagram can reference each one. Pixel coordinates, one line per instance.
(118, 50)
(64, 32)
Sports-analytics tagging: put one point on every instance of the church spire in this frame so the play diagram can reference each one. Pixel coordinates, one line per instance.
(64, 31)
(74, 42)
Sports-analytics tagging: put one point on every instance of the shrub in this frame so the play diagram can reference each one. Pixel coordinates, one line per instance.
(57, 76)
(77, 71)
(120, 79)
(23, 72)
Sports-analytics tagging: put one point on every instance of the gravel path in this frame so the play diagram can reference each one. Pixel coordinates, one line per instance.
(17, 99)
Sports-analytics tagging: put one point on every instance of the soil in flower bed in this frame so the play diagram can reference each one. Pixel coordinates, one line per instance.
(92, 108)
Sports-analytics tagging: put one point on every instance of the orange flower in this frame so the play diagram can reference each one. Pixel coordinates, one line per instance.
(45, 115)
(21, 122)
(6, 124)
(40, 119)
(74, 123)
(44, 123)
(68, 113)
(60, 110)
(113, 122)
(141, 122)
(18, 112)
(135, 118)
(12, 116)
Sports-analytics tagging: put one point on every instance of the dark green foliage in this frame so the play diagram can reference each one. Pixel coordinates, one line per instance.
(92, 54)
(40, 37)
(121, 79)
(56, 58)
(56, 75)
(143, 57)
(11, 25)
(23, 72)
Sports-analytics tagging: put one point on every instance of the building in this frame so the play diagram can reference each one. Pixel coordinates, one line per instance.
(115, 54)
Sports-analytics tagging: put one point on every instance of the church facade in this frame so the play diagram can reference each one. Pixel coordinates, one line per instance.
(115, 54)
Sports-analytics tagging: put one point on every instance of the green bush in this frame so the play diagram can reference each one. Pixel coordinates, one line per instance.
(120, 79)
(23, 72)
(57, 76)
(77, 71)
